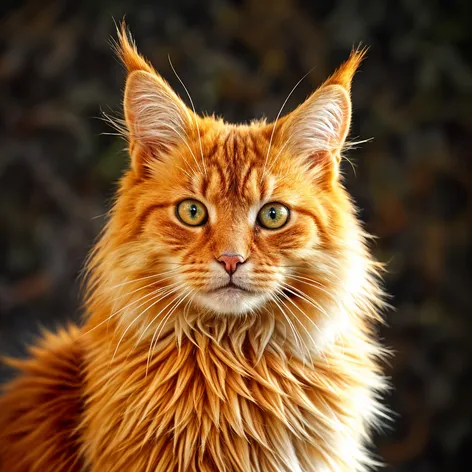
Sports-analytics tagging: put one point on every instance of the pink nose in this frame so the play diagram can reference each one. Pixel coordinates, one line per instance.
(231, 262)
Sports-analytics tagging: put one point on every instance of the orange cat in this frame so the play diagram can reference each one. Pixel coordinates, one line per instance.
(231, 307)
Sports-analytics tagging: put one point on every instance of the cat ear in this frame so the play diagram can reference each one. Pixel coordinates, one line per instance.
(156, 118)
(318, 128)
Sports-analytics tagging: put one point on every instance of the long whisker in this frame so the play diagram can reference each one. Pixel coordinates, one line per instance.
(278, 154)
(154, 292)
(180, 300)
(296, 335)
(184, 264)
(328, 268)
(301, 324)
(122, 309)
(300, 310)
(304, 297)
(144, 278)
(312, 283)
(191, 168)
(183, 170)
(277, 119)
(148, 325)
(151, 322)
(186, 143)
(189, 301)
(307, 317)
(162, 324)
(116, 123)
(141, 314)
(159, 290)
(164, 319)
(185, 314)
(194, 112)
(143, 287)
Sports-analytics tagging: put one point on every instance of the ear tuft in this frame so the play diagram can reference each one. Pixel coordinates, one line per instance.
(157, 120)
(128, 53)
(318, 128)
(343, 75)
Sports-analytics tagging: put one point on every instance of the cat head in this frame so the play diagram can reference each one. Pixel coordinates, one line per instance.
(229, 217)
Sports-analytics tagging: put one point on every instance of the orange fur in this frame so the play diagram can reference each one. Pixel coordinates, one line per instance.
(40, 410)
(170, 374)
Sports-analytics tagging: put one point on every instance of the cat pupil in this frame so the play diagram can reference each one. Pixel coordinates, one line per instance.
(193, 211)
(273, 213)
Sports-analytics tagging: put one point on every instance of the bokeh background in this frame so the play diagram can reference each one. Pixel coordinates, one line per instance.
(240, 59)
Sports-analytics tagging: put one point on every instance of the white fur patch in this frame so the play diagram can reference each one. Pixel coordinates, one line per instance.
(154, 113)
(322, 122)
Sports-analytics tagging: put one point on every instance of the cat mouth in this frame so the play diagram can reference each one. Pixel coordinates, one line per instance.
(231, 298)
(230, 287)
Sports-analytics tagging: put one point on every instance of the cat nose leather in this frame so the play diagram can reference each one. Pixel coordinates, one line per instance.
(231, 261)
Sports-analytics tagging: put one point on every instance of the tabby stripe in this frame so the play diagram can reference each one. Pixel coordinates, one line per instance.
(254, 148)
(212, 152)
(150, 209)
(232, 184)
(315, 217)
(245, 179)
(263, 186)
(230, 157)
(204, 186)
(235, 148)
(221, 173)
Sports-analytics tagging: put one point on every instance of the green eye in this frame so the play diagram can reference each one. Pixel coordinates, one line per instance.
(273, 215)
(192, 212)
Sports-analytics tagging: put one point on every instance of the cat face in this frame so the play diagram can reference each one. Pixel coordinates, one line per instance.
(227, 214)
(231, 228)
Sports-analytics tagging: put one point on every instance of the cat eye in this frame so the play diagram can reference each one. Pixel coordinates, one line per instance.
(192, 212)
(273, 215)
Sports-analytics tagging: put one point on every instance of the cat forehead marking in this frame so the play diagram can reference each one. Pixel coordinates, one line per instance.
(234, 163)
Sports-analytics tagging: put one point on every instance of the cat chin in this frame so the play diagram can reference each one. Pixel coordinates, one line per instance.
(231, 301)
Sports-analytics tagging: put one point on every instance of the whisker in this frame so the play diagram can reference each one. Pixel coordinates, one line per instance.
(328, 269)
(191, 168)
(298, 339)
(277, 119)
(183, 170)
(301, 324)
(144, 278)
(116, 123)
(305, 297)
(142, 288)
(148, 325)
(195, 113)
(188, 303)
(162, 323)
(185, 315)
(141, 314)
(278, 154)
(152, 321)
(180, 299)
(308, 318)
(299, 309)
(307, 281)
(186, 143)
(155, 292)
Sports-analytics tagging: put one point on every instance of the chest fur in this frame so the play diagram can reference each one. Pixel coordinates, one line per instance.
(213, 406)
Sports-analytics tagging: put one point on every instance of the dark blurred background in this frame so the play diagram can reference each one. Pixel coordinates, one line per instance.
(240, 59)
